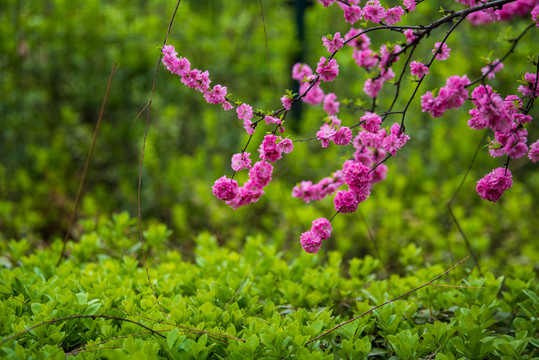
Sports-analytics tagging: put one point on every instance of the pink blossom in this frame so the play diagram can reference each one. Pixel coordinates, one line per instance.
(227, 106)
(356, 175)
(443, 54)
(492, 186)
(301, 71)
(535, 15)
(346, 201)
(343, 136)
(260, 173)
(287, 102)
(533, 154)
(379, 174)
(409, 33)
(330, 105)
(387, 56)
(530, 86)
(241, 161)
(325, 135)
(372, 87)
(272, 120)
(492, 108)
(248, 126)
(409, 4)
(285, 146)
(314, 96)
(373, 11)
(245, 112)
(365, 58)
(217, 95)
(352, 14)
(333, 43)
(322, 228)
(371, 122)
(491, 69)
(361, 42)
(395, 140)
(334, 121)
(224, 188)
(329, 71)
(393, 15)
(326, 3)
(419, 69)
(310, 242)
(268, 149)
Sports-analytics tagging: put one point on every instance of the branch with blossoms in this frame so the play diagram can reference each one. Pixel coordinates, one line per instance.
(374, 144)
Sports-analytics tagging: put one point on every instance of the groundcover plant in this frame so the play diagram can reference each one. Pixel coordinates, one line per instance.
(383, 67)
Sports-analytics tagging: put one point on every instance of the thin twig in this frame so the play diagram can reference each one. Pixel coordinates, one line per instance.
(385, 303)
(78, 317)
(149, 107)
(86, 166)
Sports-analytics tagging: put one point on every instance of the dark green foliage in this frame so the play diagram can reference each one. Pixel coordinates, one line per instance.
(278, 309)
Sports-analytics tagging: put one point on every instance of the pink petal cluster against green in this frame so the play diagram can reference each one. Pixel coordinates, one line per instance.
(493, 185)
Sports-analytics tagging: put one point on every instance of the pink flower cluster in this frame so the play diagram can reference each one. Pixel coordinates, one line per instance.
(443, 53)
(372, 11)
(312, 240)
(493, 185)
(492, 68)
(507, 12)
(340, 135)
(304, 75)
(307, 191)
(328, 70)
(531, 88)
(418, 69)
(194, 78)
(451, 96)
(333, 42)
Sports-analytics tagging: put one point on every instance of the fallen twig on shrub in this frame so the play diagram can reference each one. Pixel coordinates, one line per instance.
(387, 302)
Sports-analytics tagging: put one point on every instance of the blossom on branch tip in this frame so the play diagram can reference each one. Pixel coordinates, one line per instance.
(321, 227)
(285, 146)
(310, 242)
(287, 102)
(492, 186)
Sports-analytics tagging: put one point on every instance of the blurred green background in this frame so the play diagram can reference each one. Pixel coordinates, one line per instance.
(55, 58)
